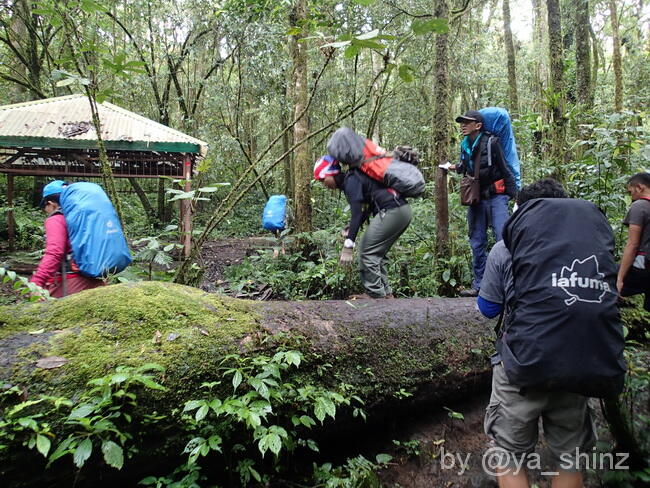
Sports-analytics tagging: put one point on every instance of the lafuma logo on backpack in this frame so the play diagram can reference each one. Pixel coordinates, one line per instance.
(583, 281)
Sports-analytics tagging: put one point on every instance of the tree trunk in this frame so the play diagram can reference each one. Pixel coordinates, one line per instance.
(285, 118)
(557, 89)
(162, 204)
(302, 157)
(583, 61)
(440, 133)
(540, 72)
(38, 183)
(594, 67)
(107, 170)
(436, 349)
(446, 340)
(510, 56)
(146, 205)
(616, 57)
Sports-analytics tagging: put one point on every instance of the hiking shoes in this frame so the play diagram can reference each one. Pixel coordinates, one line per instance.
(469, 292)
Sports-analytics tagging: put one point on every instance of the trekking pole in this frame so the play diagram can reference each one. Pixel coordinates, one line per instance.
(64, 278)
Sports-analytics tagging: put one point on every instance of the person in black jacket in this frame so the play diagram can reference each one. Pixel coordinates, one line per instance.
(497, 185)
(391, 216)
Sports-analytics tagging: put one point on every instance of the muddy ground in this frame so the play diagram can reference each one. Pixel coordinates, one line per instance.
(438, 451)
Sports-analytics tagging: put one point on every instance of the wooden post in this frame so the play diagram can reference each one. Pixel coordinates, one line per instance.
(186, 207)
(11, 222)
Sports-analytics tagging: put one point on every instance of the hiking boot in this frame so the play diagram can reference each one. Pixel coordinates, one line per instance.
(362, 296)
(469, 292)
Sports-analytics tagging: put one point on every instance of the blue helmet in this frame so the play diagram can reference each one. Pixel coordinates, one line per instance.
(53, 188)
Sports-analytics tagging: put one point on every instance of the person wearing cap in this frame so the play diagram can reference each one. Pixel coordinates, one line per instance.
(57, 272)
(497, 186)
(391, 216)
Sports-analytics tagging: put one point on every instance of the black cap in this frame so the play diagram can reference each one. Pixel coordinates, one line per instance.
(470, 116)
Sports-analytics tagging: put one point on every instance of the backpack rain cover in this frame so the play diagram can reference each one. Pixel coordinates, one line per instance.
(98, 244)
(497, 121)
(563, 329)
(275, 212)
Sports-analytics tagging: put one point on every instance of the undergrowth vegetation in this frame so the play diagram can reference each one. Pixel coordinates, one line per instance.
(247, 429)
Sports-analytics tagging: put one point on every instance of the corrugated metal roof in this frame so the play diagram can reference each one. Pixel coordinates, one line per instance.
(59, 122)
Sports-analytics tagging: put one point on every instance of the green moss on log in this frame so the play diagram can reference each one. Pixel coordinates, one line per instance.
(183, 329)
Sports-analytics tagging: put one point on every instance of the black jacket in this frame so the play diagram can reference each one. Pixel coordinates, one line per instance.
(493, 167)
(366, 196)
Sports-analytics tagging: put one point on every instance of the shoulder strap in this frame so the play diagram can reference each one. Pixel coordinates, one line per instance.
(379, 156)
(489, 150)
(477, 162)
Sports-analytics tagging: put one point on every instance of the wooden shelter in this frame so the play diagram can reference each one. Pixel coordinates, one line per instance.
(56, 137)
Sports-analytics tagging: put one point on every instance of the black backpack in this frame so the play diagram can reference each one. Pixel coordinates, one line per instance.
(563, 329)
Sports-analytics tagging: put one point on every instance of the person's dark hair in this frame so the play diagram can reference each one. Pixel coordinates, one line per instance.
(54, 198)
(545, 188)
(642, 178)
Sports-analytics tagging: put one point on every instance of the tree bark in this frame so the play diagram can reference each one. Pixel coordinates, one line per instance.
(594, 67)
(540, 71)
(557, 88)
(440, 133)
(510, 56)
(162, 204)
(616, 57)
(146, 204)
(285, 119)
(583, 58)
(302, 163)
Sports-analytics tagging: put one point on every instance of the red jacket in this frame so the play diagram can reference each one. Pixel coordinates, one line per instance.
(57, 247)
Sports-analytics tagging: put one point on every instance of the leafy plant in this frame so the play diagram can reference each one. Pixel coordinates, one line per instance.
(26, 422)
(157, 249)
(293, 276)
(409, 448)
(453, 414)
(268, 408)
(99, 418)
(23, 286)
(357, 472)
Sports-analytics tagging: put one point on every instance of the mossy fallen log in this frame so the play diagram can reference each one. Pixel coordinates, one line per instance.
(387, 350)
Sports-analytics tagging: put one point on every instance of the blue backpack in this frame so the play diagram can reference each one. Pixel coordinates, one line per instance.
(275, 213)
(98, 244)
(497, 121)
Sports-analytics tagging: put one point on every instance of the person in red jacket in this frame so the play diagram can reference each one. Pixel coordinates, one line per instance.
(57, 272)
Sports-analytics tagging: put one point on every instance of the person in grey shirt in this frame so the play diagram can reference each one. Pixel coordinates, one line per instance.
(634, 272)
(511, 419)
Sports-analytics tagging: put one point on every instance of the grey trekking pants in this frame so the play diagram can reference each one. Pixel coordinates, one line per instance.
(382, 232)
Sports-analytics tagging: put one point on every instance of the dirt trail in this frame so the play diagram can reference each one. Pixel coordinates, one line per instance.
(220, 254)
(451, 451)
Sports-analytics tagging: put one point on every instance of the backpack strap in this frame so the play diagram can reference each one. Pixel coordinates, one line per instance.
(477, 164)
(364, 161)
(498, 330)
(489, 150)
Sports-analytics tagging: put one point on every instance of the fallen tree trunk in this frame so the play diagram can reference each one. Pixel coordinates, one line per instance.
(391, 353)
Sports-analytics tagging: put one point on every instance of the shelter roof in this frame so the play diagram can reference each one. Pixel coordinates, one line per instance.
(66, 123)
